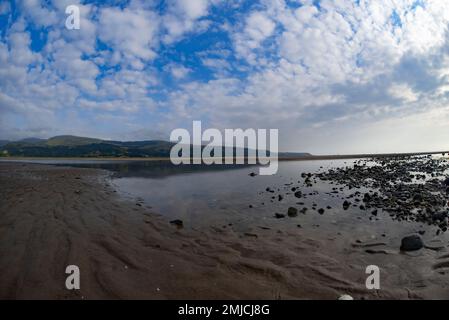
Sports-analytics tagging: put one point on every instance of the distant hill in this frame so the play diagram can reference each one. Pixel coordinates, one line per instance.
(32, 140)
(293, 155)
(71, 141)
(73, 146)
(3, 142)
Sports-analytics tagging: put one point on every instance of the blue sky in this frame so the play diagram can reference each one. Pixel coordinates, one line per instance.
(332, 76)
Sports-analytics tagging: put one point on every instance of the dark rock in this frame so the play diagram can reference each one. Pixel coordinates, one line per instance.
(346, 205)
(248, 234)
(292, 212)
(252, 174)
(446, 182)
(177, 222)
(439, 216)
(321, 211)
(279, 215)
(280, 197)
(298, 194)
(411, 243)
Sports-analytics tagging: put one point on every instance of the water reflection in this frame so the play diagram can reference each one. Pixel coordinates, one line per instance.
(139, 168)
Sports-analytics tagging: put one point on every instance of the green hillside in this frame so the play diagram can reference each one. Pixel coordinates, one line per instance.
(73, 146)
(71, 141)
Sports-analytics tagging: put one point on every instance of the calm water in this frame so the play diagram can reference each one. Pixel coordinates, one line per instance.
(217, 196)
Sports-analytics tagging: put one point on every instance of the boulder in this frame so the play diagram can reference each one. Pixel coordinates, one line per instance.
(412, 243)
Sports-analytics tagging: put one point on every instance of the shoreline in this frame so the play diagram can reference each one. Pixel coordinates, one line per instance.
(301, 158)
(56, 216)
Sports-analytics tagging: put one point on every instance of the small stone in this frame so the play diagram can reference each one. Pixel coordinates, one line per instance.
(411, 243)
(345, 297)
(177, 222)
(279, 215)
(446, 181)
(252, 235)
(292, 212)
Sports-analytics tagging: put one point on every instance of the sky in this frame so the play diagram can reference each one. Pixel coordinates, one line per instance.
(334, 76)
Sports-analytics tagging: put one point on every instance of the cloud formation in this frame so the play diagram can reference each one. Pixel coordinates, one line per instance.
(333, 76)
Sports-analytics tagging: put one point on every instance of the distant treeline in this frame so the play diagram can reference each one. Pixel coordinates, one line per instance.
(72, 146)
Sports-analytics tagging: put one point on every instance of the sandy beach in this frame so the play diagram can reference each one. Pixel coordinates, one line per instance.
(52, 217)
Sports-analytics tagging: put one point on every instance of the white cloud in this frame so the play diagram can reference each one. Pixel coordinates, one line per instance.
(403, 92)
(184, 16)
(40, 15)
(5, 8)
(258, 27)
(132, 33)
(178, 71)
(192, 9)
(339, 78)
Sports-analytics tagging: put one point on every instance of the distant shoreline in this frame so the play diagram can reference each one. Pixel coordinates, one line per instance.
(302, 158)
(361, 156)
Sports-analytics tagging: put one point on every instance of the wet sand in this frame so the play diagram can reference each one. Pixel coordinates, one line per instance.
(52, 217)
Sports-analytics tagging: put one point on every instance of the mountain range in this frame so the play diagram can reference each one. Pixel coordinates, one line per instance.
(73, 146)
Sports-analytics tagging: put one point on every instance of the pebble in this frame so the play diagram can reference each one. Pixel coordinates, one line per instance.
(411, 243)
